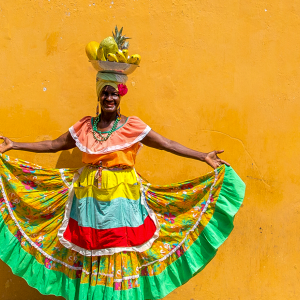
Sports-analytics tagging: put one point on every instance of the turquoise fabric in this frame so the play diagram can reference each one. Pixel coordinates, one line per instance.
(90, 212)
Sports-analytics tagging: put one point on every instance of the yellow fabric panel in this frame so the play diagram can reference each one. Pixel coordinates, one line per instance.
(115, 184)
(113, 178)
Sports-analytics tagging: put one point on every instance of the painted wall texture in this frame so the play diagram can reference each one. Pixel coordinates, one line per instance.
(214, 75)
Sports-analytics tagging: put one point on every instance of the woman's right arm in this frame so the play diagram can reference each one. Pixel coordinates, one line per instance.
(64, 142)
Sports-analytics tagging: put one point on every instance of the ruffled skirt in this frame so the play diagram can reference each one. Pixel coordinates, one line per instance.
(192, 219)
(107, 214)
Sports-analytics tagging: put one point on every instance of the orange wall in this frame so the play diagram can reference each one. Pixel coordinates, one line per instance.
(214, 75)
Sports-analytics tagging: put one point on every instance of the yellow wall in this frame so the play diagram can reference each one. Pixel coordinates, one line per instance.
(214, 75)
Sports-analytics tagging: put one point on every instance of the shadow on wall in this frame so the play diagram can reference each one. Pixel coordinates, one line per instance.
(70, 159)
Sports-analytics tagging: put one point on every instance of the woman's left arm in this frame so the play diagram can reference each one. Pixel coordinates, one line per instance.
(157, 141)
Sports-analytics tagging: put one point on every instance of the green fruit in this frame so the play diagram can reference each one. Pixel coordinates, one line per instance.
(109, 45)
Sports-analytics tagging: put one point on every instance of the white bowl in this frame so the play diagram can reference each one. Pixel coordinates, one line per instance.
(113, 67)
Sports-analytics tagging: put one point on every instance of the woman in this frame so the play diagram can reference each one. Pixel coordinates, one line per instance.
(103, 232)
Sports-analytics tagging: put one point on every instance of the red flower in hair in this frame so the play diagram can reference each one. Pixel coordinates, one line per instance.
(122, 89)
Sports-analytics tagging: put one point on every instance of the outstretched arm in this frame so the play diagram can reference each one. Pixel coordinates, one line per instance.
(157, 141)
(64, 142)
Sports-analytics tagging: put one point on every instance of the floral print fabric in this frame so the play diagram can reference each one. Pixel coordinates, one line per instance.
(32, 204)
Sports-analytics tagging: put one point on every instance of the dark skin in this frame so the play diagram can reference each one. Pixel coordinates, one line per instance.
(109, 102)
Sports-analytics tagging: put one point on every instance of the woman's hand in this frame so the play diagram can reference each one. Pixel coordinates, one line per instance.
(6, 145)
(213, 160)
(64, 142)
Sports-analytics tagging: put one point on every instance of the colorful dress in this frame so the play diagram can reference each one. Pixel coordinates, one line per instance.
(104, 232)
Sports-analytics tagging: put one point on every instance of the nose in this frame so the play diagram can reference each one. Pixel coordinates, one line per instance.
(109, 97)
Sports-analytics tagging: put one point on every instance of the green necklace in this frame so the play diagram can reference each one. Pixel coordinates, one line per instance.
(103, 138)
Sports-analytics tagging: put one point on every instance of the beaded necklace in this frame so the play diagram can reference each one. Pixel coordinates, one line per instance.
(95, 130)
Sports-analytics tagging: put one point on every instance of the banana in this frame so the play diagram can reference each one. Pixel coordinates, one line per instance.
(112, 57)
(125, 52)
(100, 54)
(132, 60)
(120, 56)
(137, 57)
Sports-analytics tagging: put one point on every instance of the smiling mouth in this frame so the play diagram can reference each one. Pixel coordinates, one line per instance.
(109, 103)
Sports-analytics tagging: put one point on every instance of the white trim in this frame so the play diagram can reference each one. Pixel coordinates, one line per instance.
(106, 251)
(27, 237)
(108, 149)
(62, 175)
(121, 279)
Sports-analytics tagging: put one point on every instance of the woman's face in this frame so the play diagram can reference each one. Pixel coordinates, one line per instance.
(109, 99)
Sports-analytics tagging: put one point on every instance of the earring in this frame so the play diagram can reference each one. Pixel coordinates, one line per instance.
(118, 113)
(97, 109)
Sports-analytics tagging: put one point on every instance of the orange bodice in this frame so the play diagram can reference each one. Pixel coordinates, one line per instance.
(124, 157)
(120, 149)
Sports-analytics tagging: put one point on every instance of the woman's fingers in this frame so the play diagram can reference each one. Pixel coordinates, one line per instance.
(219, 151)
(5, 145)
(225, 163)
(3, 138)
(221, 161)
(218, 163)
(214, 161)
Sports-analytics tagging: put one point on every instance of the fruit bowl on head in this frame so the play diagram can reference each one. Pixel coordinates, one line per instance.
(113, 67)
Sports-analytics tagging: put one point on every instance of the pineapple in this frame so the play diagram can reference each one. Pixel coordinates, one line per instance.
(120, 39)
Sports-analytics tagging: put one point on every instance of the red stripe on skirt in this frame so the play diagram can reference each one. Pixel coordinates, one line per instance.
(93, 239)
